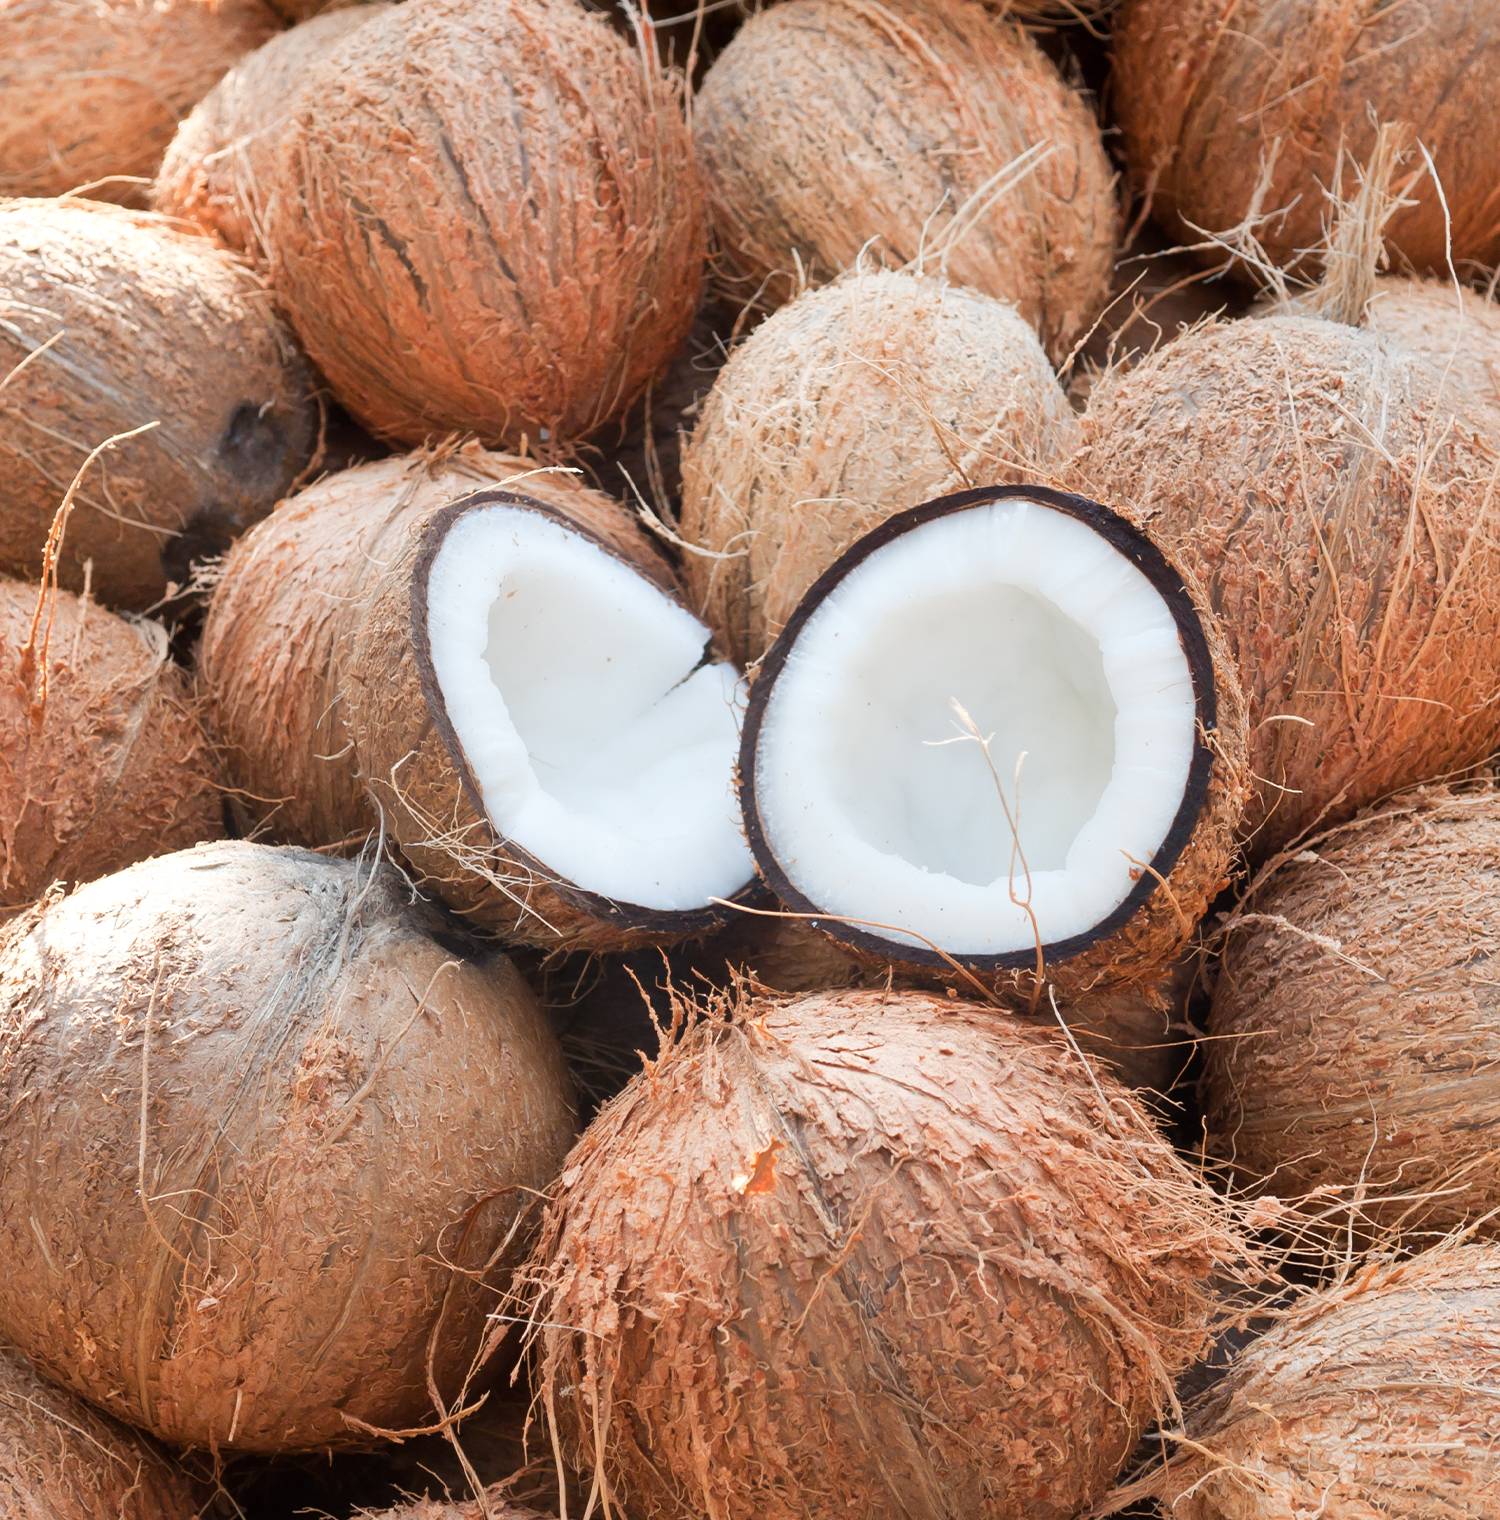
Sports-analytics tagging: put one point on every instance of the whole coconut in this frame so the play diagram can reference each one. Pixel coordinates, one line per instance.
(94, 89)
(854, 402)
(267, 1141)
(486, 218)
(1209, 94)
(142, 327)
(102, 760)
(881, 1254)
(1455, 330)
(928, 132)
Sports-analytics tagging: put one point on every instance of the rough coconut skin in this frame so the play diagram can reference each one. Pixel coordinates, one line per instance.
(1456, 331)
(493, 1507)
(873, 394)
(155, 327)
(61, 1460)
(487, 220)
(273, 1261)
(832, 128)
(95, 88)
(1353, 1041)
(883, 1255)
(1314, 480)
(1203, 89)
(102, 760)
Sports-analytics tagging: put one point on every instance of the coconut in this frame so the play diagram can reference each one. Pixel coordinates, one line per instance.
(1455, 330)
(883, 1254)
(228, 1215)
(923, 132)
(485, 218)
(505, 680)
(1374, 1397)
(492, 1507)
(855, 401)
(102, 760)
(1209, 106)
(221, 164)
(94, 89)
(126, 326)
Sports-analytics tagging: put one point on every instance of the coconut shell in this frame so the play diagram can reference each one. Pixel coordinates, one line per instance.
(883, 1255)
(94, 89)
(220, 168)
(1456, 331)
(306, 1230)
(102, 760)
(150, 326)
(1312, 478)
(829, 130)
(1207, 93)
(486, 219)
(61, 1460)
(871, 395)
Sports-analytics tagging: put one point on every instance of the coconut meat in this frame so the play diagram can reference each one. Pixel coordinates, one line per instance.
(601, 737)
(874, 791)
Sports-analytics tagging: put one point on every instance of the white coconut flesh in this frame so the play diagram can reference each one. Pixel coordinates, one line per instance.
(879, 802)
(601, 740)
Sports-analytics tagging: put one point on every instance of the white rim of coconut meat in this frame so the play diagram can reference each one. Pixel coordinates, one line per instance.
(578, 698)
(1075, 651)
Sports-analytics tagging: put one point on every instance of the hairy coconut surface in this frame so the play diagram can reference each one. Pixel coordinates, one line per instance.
(61, 1460)
(492, 1507)
(1322, 487)
(219, 171)
(873, 394)
(1353, 1042)
(124, 325)
(1455, 330)
(487, 218)
(1376, 1397)
(883, 1254)
(915, 131)
(1210, 96)
(94, 89)
(102, 759)
(267, 1145)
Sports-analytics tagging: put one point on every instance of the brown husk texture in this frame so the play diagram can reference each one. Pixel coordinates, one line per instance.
(1338, 513)
(1456, 331)
(95, 88)
(61, 1460)
(155, 327)
(829, 128)
(881, 1254)
(1205, 92)
(102, 759)
(344, 1119)
(494, 1507)
(487, 219)
(854, 402)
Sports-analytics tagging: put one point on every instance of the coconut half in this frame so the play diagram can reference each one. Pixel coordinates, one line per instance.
(989, 733)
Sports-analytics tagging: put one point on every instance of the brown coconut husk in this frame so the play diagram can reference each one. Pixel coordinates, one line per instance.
(883, 1254)
(1213, 99)
(924, 132)
(541, 235)
(1456, 331)
(102, 759)
(94, 89)
(113, 323)
(240, 1207)
(1375, 1397)
(1352, 1058)
(220, 168)
(61, 1460)
(856, 401)
(492, 1507)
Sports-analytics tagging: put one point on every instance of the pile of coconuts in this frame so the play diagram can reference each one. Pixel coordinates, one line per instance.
(747, 760)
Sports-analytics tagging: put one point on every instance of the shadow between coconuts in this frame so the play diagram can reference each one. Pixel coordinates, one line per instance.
(1136, 548)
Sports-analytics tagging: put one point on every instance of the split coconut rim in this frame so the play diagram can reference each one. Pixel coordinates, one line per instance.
(981, 732)
(581, 708)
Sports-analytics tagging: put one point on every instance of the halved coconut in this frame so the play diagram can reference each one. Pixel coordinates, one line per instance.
(998, 732)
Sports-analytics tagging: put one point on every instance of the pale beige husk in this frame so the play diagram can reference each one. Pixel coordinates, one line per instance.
(486, 218)
(269, 1146)
(1455, 330)
(492, 1507)
(876, 393)
(914, 131)
(94, 89)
